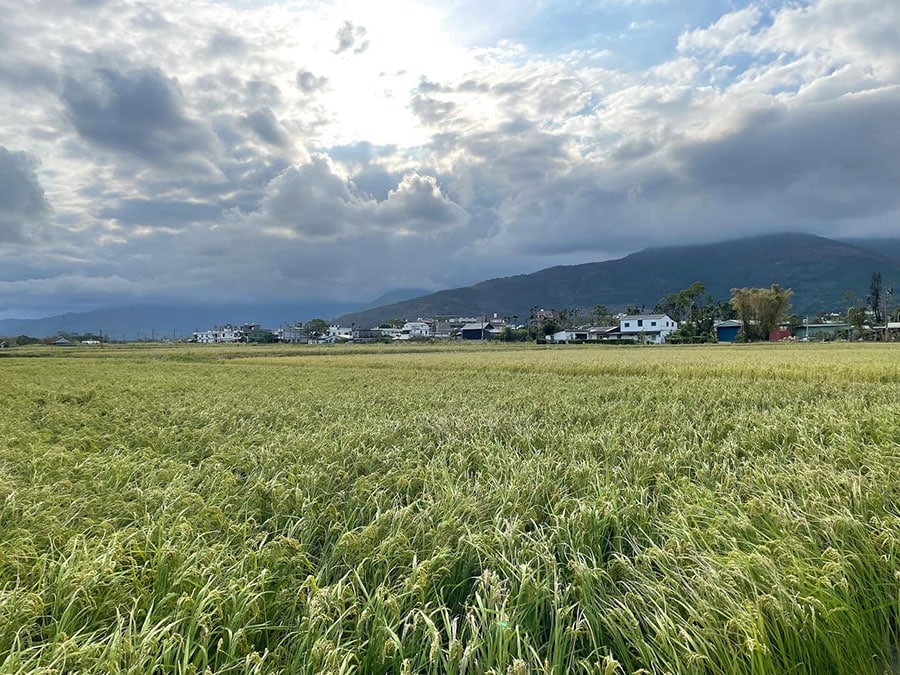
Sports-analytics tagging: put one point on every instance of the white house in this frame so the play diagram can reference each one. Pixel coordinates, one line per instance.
(416, 329)
(219, 334)
(292, 335)
(341, 332)
(646, 327)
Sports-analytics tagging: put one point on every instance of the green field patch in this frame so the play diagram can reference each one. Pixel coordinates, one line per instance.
(461, 509)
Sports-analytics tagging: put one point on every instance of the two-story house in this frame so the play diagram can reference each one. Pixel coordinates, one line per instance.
(646, 327)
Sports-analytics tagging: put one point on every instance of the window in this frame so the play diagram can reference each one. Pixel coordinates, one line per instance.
(652, 323)
(627, 324)
(640, 322)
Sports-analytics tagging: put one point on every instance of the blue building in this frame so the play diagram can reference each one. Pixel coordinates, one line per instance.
(727, 331)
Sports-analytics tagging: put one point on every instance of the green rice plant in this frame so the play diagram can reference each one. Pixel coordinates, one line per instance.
(456, 509)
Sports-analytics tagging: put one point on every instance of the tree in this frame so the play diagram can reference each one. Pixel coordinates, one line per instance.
(761, 310)
(695, 310)
(316, 327)
(550, 327)
(599, 314)
(874, 297)
(857, 318)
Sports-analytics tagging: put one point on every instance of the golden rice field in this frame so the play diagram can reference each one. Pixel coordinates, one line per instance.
(709, 509)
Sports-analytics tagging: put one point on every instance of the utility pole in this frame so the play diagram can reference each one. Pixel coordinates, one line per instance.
(884, 312)
(101, 338)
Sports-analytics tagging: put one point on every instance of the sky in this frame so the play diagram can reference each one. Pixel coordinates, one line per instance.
(257, 150)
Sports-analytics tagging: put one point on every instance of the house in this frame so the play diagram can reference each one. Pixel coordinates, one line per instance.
(562, 336)
(416, 329)
(480, 331)
(296, 335)
(367, 335)
(648, 328)
(445, 330)
(573, 335)
(220, 334)
(62, 342)
(542, 315)
(601, 332)
(340, 332)
(892, 330)
(727, 331)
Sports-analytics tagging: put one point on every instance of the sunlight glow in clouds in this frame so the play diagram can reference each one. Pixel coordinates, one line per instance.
(160, 150)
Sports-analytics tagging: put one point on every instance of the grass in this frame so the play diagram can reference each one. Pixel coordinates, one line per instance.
(455, 510)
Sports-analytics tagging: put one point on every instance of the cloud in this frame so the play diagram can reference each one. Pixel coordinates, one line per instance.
(264, 124)
(725, 35)
(315, 202)
(309, 83)
(23, 204)
(350, 36)
(224, 43)
(140, 112)
(419, 207)
(173, 139)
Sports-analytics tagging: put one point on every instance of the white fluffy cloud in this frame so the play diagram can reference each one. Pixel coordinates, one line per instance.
(314, 202)
(172, 147)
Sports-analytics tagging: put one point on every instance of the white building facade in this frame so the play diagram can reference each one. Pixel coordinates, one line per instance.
(221, 334)
(651, 328)
(416, 329)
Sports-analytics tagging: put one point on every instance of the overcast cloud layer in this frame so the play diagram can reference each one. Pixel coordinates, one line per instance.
(254, 150)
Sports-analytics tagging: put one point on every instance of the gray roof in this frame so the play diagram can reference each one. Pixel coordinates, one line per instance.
(634, 317)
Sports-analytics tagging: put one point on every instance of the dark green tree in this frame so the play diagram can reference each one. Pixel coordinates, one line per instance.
(875, 297)
(857, 317)
(316, 327)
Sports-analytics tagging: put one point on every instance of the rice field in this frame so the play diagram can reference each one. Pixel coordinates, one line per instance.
(463, 509)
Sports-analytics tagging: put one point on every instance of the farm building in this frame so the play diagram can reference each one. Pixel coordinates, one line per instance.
(727, 331)
(480, 331)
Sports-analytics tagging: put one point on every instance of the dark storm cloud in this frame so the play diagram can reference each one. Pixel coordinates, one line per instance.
(140, 112)
(829, 160)
(22, 200)
(266, 126)
(309, 83)
(352, 37)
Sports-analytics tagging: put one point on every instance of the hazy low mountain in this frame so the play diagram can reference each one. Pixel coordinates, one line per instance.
(131, 323)
(819, 271)
(397, 295)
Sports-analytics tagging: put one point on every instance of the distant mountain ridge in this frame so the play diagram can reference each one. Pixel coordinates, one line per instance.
(819, 270)
(160, 321)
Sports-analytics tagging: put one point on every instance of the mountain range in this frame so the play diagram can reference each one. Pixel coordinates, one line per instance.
(819, 271)
(148, 321)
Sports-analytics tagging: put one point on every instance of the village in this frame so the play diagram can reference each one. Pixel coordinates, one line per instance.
(645, 328)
